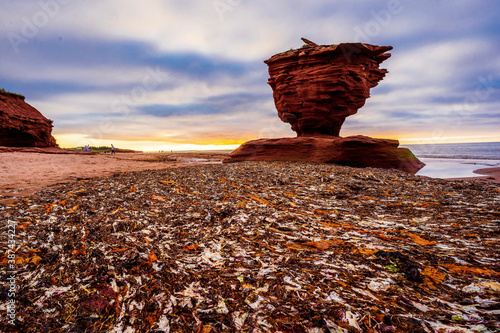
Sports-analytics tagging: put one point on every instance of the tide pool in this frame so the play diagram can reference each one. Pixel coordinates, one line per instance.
(454, 168)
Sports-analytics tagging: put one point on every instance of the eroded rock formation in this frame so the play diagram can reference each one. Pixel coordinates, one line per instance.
(356, 151)
(21, 125)
(317, 86)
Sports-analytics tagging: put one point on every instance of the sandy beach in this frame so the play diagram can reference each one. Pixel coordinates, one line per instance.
(23, 173)
(487, 175)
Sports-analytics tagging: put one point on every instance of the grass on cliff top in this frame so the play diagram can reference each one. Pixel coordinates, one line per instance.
(5, 92)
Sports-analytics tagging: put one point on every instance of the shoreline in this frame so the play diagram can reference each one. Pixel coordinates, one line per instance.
(489, 175)
(461, 169)
(24, 173)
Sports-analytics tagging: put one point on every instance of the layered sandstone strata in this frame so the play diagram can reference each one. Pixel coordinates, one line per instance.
(356, 151)
(21, 125)
(317, 86)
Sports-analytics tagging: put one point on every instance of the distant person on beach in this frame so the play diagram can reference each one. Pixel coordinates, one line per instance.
(112, 149)
(86, 148)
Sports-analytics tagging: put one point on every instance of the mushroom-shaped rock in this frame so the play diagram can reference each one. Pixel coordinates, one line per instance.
(317, 86)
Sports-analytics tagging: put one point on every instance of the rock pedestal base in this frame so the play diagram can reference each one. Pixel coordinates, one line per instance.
(355, 151)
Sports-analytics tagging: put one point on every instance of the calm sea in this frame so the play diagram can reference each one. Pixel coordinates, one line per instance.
(450, 160)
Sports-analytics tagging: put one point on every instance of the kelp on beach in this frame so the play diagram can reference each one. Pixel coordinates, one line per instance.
(256, 247)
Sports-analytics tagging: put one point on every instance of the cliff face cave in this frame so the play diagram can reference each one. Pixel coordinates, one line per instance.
(20, 138)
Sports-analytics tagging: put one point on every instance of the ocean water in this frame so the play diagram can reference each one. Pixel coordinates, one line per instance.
(453, 160)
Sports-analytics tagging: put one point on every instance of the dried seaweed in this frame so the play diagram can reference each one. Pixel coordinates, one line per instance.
(256, 247)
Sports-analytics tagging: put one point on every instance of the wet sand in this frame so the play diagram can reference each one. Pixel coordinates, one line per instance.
(490, 175)
(23, 173)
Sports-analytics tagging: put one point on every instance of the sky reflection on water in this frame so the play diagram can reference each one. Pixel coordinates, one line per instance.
(454, 168)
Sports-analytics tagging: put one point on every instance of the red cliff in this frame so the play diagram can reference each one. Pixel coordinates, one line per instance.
(21, 125)
(315, 88)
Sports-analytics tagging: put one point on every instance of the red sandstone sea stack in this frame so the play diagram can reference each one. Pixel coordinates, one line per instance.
(315, 88)
(21, 125)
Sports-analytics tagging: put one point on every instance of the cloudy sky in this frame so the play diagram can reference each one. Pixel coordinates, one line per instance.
(165, 74)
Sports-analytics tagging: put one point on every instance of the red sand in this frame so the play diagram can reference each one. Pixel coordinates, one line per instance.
(491, 175)
(22, 174)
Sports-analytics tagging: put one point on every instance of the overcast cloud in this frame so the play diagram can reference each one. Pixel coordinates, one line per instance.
(167, 74)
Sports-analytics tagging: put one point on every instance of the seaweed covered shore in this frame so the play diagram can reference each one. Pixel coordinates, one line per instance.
(253, 247)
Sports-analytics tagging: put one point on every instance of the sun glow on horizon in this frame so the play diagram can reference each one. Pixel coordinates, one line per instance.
(79, 140)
